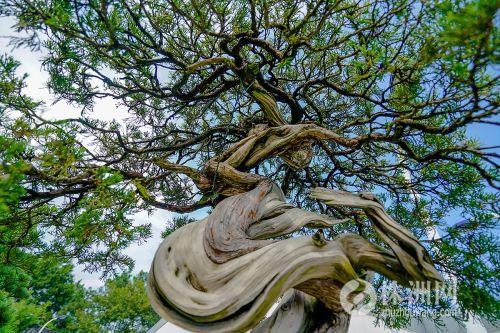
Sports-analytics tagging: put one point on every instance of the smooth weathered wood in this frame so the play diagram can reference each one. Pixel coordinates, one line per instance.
(293, 143)
(298, 312)
(228, 174)
(410, 252)
(222, 274)
(261, 213)
(293, 314)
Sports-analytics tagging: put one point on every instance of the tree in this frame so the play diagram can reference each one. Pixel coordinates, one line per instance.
(48, 290)
(16, 316)
(224, 96)
(122, 306)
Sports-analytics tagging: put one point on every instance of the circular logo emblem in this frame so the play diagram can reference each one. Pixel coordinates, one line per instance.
(358, 298)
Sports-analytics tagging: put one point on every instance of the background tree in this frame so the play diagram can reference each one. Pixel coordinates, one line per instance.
(43, 288)
(397, 82)
(122, 306)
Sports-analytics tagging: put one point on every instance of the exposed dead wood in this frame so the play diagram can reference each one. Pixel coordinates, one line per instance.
(223, 273)
(409, 251)
(293, 143)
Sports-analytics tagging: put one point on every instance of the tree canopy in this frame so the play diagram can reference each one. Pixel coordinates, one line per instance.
(362, 96)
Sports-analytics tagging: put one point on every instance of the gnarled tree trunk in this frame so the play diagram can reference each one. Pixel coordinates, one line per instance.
(224, 273)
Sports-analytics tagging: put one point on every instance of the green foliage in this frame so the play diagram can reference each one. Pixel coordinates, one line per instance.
(47, 290)
(36, 280)
(16, 316)
(176, 223)
(96, 217)
(11, 175)
(122, 306)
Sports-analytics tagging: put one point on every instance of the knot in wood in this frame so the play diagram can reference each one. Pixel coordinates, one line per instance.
(319, 238)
